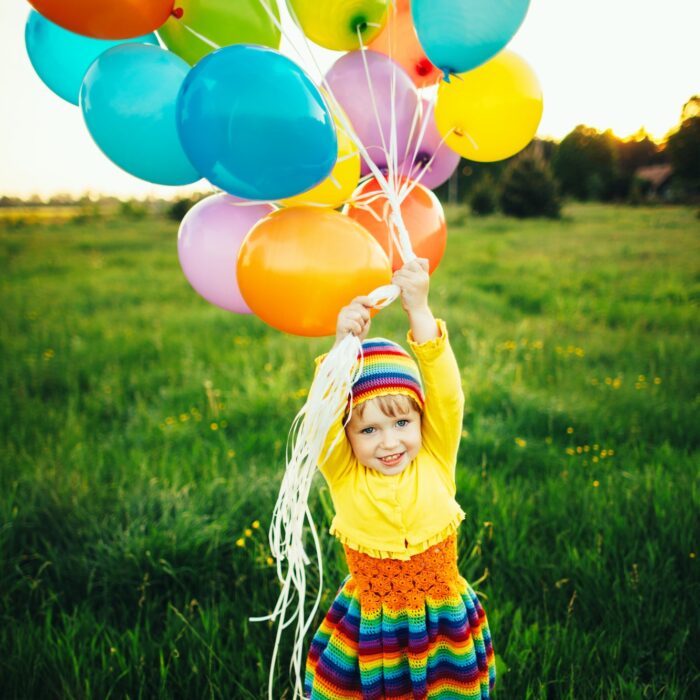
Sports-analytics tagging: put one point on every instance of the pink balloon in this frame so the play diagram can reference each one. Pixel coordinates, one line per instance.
(211, 234)
(440, 160)
(348, 82)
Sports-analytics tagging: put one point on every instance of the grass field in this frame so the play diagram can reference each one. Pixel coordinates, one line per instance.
(143, 433)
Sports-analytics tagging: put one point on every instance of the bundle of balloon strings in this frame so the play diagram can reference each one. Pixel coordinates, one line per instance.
(326, 404)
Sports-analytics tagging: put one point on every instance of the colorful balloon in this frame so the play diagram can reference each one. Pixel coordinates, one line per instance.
(339, 24)
(336, 189)
(221, 23)
(252, 122)
(128, 101)
(421, 211)
(61, 58)
(492, 112)
(459, 35)
(398, 40)
(299, 266)
(429, 159)
(211, 234)
(359, 96)
(106, 19)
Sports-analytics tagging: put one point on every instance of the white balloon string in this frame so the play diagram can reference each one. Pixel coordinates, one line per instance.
(425, 118)
(201, 37)
(370, 87)
(416, 119)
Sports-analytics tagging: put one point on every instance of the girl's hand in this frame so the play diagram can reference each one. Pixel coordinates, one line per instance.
(414, 281)
(354, 318)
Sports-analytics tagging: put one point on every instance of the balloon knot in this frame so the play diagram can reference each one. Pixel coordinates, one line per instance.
(358, 23)
(177, 12)
(424, 67)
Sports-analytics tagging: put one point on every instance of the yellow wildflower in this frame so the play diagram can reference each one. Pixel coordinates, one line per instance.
(240, 542)
(248, 532)
(256, 524)
(569, 430)
(520, 442)
(214, 426)
(596, 484)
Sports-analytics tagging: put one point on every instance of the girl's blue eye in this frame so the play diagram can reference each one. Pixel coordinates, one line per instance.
(402, 423)
(366, 431)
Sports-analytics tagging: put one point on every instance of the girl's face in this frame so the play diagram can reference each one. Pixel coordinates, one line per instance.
(385, 443)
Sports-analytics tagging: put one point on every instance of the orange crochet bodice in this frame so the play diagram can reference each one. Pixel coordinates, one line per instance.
(405, 584)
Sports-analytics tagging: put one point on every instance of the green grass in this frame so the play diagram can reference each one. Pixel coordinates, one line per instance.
(143, 436)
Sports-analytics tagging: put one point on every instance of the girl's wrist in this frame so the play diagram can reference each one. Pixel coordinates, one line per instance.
(419, 311)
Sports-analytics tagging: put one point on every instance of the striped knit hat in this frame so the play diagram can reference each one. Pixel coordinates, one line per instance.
(387, 369)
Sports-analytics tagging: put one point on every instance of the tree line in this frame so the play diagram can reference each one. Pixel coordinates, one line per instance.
(586, 165)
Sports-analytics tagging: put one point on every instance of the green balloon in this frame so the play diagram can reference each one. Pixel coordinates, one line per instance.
(199, 27)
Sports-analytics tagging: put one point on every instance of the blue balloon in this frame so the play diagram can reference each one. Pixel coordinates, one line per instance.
(253, 123)
(128, 100)
(61, 58)
(459, 35)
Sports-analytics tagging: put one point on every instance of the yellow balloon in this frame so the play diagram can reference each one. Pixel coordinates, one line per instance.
(492, 112)
(337, 188)
(335, 24)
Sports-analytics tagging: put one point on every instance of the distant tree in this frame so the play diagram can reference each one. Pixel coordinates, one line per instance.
(586, 164)
(484, 198)
(633, 153)
(683, 147)
(528, 189)
(133, 209)
(179, 207)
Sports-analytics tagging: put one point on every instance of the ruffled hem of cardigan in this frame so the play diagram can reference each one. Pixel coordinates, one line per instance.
(404, 554)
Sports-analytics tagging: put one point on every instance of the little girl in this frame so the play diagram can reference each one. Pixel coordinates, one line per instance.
(404, 623)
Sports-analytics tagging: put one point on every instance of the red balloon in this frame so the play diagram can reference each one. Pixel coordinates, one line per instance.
(106, 19)
(421, 211)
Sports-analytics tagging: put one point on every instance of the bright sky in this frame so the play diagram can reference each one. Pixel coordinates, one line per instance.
(619, 64)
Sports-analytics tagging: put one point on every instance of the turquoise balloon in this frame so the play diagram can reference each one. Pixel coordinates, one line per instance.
(128, 100)
(252, 123)
(459, 35)
(61, 58)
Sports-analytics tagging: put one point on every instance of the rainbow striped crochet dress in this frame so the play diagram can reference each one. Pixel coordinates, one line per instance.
(401, 630)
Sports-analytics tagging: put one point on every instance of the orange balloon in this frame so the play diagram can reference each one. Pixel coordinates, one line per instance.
(399, 41)
(299, 266)
(106, 19)
(421, 211)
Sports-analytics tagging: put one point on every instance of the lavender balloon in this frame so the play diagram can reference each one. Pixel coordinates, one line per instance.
(348, 82)
(432, 161)
(211, 234)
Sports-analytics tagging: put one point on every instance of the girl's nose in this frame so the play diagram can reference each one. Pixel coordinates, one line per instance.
(389, 440)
